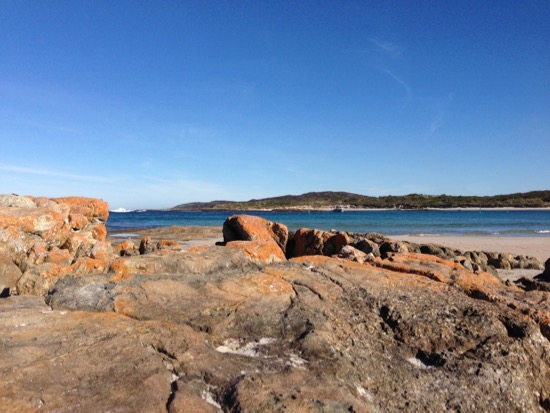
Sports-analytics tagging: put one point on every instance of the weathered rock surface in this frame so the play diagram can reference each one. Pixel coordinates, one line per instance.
(252, 228)
(9, 275)
(539, 282)
(49, 238)
(319, 332)
(239, 328)
(210, 259)
(317, 242)
(261, 252)
(73, 361)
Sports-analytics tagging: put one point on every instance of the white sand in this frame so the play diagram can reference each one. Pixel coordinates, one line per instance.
(531, 246)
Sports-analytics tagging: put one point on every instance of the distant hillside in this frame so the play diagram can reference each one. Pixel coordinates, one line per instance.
(322, 200)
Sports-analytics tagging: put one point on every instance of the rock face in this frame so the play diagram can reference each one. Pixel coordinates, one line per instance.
(49, 238)
(220, 329)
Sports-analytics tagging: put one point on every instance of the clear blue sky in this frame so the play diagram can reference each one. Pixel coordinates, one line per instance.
(149, 104)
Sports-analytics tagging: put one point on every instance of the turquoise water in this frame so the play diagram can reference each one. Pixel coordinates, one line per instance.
(393, 222)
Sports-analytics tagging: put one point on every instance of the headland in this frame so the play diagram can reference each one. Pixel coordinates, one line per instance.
(328, 200)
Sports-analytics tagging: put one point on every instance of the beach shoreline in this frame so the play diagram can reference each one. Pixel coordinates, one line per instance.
(534, 246)
(345, 208)
(538, 246)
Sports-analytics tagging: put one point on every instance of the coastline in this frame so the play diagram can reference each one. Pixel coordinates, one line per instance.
(306, 208)
(458, 209)
(525, 245)
(190, 236)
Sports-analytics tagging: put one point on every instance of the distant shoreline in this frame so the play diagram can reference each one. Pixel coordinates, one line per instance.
(330, 209)
(329, 200)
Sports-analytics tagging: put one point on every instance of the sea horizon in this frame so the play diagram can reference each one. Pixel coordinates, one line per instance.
(425, 222)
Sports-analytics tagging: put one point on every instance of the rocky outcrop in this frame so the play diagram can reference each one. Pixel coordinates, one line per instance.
(49, 238)
(316, 242)
(324, 332)
(240, 328)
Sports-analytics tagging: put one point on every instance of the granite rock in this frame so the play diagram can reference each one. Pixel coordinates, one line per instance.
(252, 228)
(318, 333)
(317, 242)
(48, 238)
(240, 328)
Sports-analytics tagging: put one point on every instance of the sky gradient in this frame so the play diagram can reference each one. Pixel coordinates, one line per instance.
(150, 104)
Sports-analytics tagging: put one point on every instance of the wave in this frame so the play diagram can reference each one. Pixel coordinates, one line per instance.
(121, 210)
(543, 231)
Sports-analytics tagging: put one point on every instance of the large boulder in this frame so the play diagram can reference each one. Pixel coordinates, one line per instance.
(9, 275)
(316, 242)
(252, 228)
(367, 246)
(389, 247)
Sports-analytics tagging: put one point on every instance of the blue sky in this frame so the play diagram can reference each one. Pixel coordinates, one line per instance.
(149, 104)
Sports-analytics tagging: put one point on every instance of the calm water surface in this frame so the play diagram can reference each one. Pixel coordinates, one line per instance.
(393, 222)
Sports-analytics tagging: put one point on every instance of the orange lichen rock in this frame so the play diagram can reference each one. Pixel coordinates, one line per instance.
(49, 238)
(125, 248)
(59, 256)
(88, 207)
(168, 244)
(146, 245)
(252, 228)
(261, 252)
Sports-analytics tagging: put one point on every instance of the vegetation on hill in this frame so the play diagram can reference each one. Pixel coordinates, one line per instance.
(314, 200)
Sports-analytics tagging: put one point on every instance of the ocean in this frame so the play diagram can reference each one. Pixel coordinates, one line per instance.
(387, 222)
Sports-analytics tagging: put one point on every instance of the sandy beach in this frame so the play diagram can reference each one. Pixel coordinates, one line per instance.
(532, 246)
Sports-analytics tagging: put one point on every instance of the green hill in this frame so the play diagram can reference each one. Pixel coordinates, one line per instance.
(319, 200)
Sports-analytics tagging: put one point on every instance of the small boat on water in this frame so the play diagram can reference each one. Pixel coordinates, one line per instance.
(339, 208)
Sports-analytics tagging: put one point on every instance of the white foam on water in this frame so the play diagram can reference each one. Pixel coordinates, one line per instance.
(427, 235)
(121, 210)
(125, 235)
